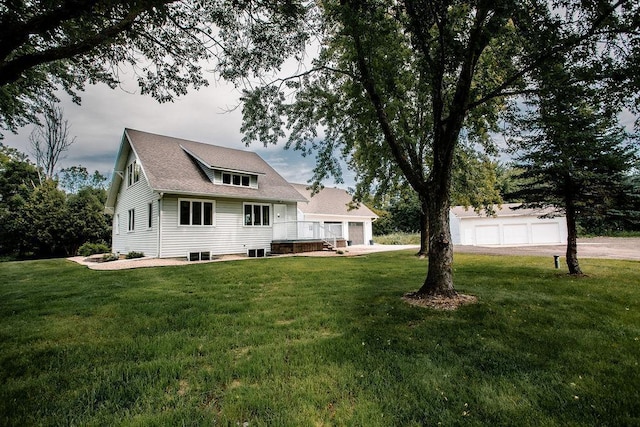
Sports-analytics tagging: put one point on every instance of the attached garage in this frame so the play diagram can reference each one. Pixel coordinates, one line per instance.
(334, 211)
(507, 227)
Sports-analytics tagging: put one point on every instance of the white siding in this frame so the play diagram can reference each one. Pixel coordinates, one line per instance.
(229, 235)
(138, 196)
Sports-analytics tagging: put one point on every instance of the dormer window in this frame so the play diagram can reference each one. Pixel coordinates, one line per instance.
(236, 179)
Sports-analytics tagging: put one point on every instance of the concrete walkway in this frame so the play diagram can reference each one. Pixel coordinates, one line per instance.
(124, 264)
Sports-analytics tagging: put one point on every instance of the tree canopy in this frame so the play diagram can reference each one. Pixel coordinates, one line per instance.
(46, 46)
(402, 85)
(38, 219)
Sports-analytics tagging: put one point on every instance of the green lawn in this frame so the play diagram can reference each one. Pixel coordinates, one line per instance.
(319, 341)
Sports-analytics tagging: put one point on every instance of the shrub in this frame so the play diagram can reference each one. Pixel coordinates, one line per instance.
(89, 248)
(109, 257)
(399, 239)
(134, 254)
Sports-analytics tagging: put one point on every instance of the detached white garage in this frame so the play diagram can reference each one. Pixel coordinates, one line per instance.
(508, 227)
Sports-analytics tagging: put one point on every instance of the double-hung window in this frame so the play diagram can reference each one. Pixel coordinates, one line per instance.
(133, 173)
(257, 215)
(196, 212)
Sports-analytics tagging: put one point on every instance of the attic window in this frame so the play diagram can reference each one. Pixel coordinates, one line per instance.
(133, 173)
(239, 180)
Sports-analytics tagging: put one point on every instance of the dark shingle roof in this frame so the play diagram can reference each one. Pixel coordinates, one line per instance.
(331, 201)
(172, 165)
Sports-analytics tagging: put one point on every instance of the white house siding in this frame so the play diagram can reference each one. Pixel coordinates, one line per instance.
(228, 235)
(137, 196)
(511, 230)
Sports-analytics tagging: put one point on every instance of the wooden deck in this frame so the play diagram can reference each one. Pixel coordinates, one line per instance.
(299, 246)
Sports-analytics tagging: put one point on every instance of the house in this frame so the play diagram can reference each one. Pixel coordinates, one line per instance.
(508, 226)
(334, 210)
(176, 198)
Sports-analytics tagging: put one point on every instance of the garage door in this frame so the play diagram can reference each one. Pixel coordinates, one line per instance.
(545, 233)
(487, 235)
(356, 233)
(515, 234)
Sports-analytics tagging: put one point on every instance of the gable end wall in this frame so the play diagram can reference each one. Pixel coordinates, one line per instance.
(138, 196)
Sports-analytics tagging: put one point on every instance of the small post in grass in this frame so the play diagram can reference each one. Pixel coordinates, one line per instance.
(556, 260)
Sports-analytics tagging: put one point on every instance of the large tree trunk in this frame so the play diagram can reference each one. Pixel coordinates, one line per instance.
(424, 229)
(439, 279)
(572, 239)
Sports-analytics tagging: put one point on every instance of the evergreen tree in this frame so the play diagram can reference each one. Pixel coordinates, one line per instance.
(573, 156)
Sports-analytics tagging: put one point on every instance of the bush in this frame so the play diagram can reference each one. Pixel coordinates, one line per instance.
(398, 239)
(134, 254)
(110, 257)
(89, 249)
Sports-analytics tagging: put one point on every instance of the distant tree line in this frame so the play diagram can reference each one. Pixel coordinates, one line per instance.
(52, 217)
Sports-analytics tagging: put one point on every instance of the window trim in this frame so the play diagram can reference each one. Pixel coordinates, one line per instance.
(202, 212)
(253, 207)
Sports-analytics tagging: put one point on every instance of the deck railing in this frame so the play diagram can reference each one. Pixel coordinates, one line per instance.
(307, 230)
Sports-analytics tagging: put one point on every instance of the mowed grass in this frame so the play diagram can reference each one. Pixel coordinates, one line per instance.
(319, 341)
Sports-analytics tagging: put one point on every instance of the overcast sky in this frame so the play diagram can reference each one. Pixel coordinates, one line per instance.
(98, 124)
(203, 116)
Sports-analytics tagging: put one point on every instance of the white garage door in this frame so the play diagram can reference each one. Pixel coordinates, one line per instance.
(515, 234)
(487, 235)
(545, 233)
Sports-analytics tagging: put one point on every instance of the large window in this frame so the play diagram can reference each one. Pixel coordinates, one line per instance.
(196, 212)
(255, 214)
(133, 173)
(132, 220)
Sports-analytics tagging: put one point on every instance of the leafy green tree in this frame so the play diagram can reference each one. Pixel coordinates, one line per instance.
(75, 178)
(46, 46)
(18, 179)
(45, 214)
(40, 220)
(574, 156)
(85, 220)
(400, 85)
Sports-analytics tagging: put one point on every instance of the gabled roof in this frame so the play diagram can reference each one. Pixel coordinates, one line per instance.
(177, 166)
(505, 210)
(331, 201)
